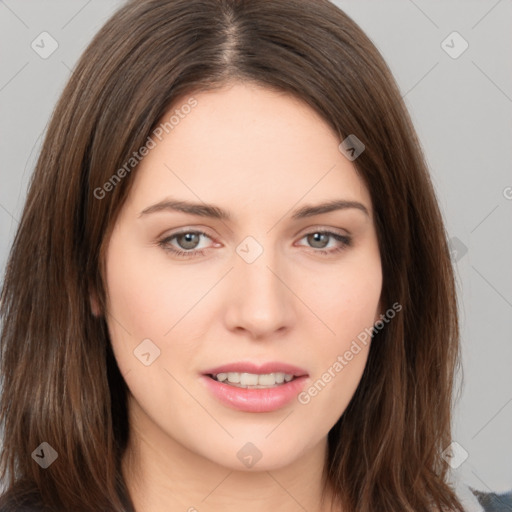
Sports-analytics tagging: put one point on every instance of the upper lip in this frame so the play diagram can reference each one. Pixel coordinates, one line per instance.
(261, 369)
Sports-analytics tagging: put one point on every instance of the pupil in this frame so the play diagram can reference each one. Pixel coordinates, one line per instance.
(190, 240)
(317, 238)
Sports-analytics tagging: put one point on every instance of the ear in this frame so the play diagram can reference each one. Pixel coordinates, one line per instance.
(95, 308)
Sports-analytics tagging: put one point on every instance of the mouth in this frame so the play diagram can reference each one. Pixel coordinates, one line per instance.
(253, 380)
(260, 389)
(250, 376)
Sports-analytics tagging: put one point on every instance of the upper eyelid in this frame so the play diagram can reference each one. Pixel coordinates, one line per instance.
(316, 229)
(306, 231)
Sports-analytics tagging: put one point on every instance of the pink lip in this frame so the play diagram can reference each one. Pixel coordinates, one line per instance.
(255, 400)
(248, 367)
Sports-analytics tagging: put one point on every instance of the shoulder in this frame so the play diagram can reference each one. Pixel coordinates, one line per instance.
(494, 502)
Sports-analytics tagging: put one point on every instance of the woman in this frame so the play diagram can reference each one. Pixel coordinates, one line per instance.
(231, 286)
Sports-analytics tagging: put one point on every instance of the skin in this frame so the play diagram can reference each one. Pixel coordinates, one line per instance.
(259, 154)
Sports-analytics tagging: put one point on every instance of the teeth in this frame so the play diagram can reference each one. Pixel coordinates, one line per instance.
(250, 379)
(263, 380)
(253, 379)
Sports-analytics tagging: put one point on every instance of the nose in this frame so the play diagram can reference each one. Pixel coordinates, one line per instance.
(259, 299)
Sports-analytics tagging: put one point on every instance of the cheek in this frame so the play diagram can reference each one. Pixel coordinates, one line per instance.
(344, 298)
(346, 301)
(147, 294)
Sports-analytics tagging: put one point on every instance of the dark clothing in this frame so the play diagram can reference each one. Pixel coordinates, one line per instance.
(490, 502)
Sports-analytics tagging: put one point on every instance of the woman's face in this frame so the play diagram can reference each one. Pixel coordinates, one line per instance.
(265, 287)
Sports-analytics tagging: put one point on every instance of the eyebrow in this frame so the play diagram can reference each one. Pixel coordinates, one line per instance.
(215, 212)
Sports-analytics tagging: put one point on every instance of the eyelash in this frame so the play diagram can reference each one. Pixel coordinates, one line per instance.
(346, 241)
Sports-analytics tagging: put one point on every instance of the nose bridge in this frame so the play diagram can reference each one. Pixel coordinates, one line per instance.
(255, 272)
(260, 302)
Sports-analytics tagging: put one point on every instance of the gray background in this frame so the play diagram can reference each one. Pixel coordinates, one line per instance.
(461, 108)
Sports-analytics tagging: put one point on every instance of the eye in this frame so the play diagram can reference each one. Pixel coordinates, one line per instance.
(187, 240)
(319, 240)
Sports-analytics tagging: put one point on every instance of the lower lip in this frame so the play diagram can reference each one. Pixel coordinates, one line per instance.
(255, 400)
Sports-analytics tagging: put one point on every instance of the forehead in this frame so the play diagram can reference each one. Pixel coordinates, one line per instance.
(246, 146)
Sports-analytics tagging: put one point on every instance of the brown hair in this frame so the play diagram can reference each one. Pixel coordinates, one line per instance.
(61, 383)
